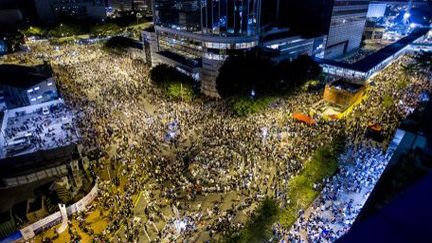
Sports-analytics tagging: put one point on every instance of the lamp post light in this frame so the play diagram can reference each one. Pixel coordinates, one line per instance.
(138, 16)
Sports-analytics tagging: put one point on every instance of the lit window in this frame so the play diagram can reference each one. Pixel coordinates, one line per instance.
(33, 99)
(36, 88)
(39, 97)
(30, 90)
(49, 84)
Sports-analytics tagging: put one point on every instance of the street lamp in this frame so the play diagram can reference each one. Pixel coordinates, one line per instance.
(138, 16)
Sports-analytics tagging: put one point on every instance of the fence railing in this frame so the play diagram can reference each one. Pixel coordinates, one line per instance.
(30, 231)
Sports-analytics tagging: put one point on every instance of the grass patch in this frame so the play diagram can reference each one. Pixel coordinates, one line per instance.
(301, 194)
(259, 227)
(243, 106)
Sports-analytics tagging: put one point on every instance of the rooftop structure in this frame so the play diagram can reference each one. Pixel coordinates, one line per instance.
(373, 31)
(343, 94)
(364, 68)
(281, 44)
(37, 129)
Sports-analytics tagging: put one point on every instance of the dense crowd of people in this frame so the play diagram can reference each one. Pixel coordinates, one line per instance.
(203, 168)
(362, 164)
(342, 197)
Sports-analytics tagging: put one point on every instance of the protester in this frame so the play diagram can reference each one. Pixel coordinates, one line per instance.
(179, 156)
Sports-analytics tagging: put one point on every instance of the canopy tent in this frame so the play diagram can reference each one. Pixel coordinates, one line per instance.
(304, 118)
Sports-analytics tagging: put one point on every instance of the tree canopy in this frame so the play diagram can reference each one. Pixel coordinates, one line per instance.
(63, 30)
(33, 31)
(176, 85)
(118, 44)
(105, 29)
(242, 74)
(296, 73)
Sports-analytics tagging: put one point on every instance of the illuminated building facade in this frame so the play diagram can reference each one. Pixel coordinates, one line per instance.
(346, 27)
(197, 35)
(376, 10)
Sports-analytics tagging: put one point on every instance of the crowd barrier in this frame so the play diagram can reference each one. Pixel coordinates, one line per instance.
(30, 231)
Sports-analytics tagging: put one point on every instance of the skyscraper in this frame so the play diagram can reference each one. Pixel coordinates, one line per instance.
(346, 27)
(196, 35)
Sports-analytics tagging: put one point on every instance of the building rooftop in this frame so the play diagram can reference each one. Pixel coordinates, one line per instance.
(347, 86)
(369, 62)
(374, 59)
(33, 128)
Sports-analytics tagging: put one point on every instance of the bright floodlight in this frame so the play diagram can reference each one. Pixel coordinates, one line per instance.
(406, 15)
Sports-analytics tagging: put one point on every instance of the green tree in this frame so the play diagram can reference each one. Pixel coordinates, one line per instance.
(163, 73)
(258, 229)
(33, 31)
(108, 29)
(180, 91)
(175, 84)
(296, 73)
(118, 44)
(323, 164)
(64, 30)
(240, 74)
(243, 106)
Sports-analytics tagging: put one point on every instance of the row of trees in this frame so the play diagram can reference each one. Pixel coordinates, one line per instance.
(65, 30)
(250, 74)
(71, 26)
(301, 192)
(118, 44)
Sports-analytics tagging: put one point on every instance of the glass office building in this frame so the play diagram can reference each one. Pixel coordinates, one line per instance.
(196, 35)
(212, 17)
